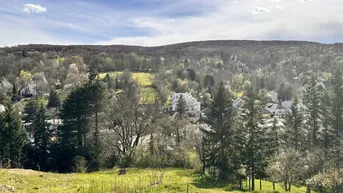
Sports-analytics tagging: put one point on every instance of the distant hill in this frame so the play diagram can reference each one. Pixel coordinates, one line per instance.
(172, 49)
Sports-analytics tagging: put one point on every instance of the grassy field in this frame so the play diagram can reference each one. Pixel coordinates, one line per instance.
(136, 180)
(144, 81)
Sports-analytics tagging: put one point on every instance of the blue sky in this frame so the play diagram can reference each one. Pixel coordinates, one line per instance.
(160, 22)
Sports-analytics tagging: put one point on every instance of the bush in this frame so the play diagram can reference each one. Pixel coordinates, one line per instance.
(111, 161)
(79, 164)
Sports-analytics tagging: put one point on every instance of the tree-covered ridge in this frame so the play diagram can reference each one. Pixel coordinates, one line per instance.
(263, 107)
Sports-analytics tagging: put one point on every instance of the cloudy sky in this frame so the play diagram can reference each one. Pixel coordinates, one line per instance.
(159, 22)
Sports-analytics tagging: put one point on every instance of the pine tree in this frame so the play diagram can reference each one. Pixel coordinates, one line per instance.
(181, 105)
(255, 137)
(42, 138)
(294, 127)
(337, 103)
(273, 138)
(54, 100)
(13, 136)
(220, 138)
(80, 115)
(336, 112)
(72, 135)
(312, 102)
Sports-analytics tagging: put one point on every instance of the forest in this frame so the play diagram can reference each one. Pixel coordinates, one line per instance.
(268, 111)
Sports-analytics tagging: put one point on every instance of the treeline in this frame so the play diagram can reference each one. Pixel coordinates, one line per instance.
(102, 130)
(304, 147)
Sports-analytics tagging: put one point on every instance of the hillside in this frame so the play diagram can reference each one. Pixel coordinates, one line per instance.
(136, 180)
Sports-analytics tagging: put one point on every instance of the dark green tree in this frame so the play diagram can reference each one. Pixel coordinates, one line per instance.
(255, 154)
(312, 102)
(337, 103)
(13, 136)
(219, 138)
(42, 134)
(80, 115)
(294, 133)
(181, 105)
(54, 100)
(336, 112)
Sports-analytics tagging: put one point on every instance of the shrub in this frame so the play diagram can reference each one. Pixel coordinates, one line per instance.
(79, 164)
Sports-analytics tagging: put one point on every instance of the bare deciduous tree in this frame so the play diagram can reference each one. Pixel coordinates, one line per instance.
(130, 122)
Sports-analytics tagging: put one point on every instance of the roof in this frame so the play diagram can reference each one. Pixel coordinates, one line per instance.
(2, 108)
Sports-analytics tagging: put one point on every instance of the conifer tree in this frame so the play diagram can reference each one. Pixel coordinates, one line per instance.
(42, 138)
(336, 118)
(54, 100)
(219, 139)
(255, 137)
(312, 103)
(13, 136)
(294, 127)
(181, 105)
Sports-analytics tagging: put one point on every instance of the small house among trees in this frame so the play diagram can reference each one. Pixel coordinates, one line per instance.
(191, 104)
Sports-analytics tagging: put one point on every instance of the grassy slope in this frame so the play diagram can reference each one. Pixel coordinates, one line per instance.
(144, 81)
(138, 180)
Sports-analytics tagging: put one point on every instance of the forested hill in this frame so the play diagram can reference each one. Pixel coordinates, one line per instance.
(173, 49)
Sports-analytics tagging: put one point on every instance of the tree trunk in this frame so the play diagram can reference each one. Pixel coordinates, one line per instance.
(96, 133)
(285, 184)
(246, 182)
(289, 186)
(273, 186)
(308, 190)
(253, 177)
(260, 184)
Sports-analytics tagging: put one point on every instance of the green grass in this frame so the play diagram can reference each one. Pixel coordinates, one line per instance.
(144, 81)
(136, 180)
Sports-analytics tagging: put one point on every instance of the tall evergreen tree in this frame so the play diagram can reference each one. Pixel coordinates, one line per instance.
(294, 127)
(221, 118)
(336, 109)
(80, 115)
(13, 136)
(181, 105)
(312, 102)
(72, 135)
(54, 100)
(255, 136)
(337, 103)
(42, 139)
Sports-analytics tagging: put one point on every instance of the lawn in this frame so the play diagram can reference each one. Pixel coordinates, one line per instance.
(144, 81)
(136, 180)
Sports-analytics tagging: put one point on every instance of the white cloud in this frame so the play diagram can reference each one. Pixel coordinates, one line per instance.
(235, 2)
(93, 23)
(279, 7)
(236, 22)
(259, 10)
(32, 8)
(304, 1)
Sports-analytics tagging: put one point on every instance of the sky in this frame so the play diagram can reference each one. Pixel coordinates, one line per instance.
(161, 22)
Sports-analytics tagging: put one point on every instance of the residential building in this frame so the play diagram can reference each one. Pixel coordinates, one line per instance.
(29, 91)
(192, 105)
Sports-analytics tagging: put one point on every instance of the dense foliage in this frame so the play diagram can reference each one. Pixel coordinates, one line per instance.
(84, 108)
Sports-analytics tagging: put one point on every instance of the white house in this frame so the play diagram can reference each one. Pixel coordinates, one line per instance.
(238, 103)
(275, 109)
(30, 90)
(192, 105)
(2, 108)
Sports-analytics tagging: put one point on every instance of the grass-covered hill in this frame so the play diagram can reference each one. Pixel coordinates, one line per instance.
(136, 180)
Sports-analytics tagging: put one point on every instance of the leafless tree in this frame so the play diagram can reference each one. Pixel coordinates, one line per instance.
(129, 122)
